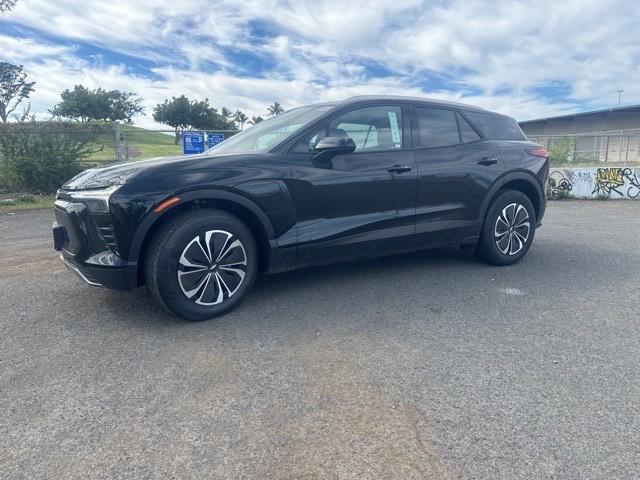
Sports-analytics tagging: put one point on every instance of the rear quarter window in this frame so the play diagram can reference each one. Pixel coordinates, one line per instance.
(495, 127)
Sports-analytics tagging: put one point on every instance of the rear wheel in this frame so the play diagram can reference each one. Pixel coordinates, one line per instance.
(508, 230)
(201, 264)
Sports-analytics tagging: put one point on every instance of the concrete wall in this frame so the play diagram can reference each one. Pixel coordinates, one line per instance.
(610, 182)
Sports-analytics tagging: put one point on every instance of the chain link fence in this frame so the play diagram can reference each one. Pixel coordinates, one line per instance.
(138, 144)
(40, 156)
(129, 144)
(597, 149)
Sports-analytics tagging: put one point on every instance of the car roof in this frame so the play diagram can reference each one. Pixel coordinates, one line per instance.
(432, 102)
(396, 98)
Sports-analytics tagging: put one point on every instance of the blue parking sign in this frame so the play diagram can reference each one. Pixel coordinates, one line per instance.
(192, 142)
(215, 138)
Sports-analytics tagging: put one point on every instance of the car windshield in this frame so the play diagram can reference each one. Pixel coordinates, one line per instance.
(264, 135)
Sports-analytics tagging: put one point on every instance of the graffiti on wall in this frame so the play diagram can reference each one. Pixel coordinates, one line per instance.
(560, 183)
(611, 182)
(616, 180)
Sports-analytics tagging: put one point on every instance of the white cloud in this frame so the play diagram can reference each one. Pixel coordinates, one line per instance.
(19, 50)
(330, 49)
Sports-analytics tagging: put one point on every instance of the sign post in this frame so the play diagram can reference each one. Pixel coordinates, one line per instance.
(192, 142)
(215, 138)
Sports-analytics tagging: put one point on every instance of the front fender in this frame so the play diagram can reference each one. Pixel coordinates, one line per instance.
(153, 218)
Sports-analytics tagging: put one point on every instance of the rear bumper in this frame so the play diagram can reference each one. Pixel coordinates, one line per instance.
(542, 210)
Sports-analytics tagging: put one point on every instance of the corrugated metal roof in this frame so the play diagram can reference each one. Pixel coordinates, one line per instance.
(630, 108)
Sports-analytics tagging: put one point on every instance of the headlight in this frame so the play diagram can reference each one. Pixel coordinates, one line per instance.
(96, 200)
(101, 178)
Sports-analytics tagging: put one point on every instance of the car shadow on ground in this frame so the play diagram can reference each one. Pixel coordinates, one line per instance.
(280, 286)
(427, 273)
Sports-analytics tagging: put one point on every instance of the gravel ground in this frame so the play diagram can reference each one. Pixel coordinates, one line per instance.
(429, 365)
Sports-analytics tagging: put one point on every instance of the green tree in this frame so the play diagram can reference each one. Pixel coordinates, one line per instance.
(255, 120)
(226, 113)
(76, 104)
(14, 88)
(241, 118)
(25, 115)
(182, 113)
(205, 117)
(275, 109)
(175, 112)
(107, 105)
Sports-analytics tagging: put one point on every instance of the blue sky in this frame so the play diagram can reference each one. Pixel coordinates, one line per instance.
(527, 59)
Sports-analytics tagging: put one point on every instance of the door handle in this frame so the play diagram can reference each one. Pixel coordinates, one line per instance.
(487, 161)
(399, 169)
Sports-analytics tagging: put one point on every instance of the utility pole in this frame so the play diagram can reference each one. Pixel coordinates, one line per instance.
(619, 95)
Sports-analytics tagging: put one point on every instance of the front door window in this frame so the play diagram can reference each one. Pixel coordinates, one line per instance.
(373, 129)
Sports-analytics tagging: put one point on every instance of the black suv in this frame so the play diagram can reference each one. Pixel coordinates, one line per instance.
(318, 184)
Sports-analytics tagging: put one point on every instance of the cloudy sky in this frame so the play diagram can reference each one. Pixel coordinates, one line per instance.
(527, 59)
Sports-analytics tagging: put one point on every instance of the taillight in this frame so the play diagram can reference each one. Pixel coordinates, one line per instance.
(539, 152)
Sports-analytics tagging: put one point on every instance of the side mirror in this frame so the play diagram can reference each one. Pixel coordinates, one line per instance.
(329, 147)
(336, 145)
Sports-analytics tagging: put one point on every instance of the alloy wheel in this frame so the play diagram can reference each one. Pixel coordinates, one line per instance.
(512, 229)
(212, 267)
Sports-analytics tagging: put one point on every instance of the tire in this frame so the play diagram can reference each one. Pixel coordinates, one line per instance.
(507, 233)
(184, 269)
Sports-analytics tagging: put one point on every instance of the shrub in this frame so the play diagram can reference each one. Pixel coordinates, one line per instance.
(26, 198)
(41, 156)
(559, 151)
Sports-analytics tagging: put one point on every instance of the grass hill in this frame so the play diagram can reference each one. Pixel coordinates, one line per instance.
(137, 144)
(142, 143)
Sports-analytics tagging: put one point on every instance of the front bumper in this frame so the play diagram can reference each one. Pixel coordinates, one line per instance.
(116, 278)
(88, 248)
(78, 272)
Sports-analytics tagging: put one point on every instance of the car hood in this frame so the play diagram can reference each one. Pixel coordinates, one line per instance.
(120, 173)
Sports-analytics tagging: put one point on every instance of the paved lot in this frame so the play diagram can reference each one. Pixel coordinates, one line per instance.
(428, 365)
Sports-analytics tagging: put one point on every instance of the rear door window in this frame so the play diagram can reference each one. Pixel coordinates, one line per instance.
(435, 127)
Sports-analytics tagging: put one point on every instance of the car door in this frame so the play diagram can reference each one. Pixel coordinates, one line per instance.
(456, 168)
(361, 203)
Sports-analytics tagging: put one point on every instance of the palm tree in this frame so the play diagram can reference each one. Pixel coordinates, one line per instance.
(255, 120)
(241, 118)
(275, 109)
(226, 113)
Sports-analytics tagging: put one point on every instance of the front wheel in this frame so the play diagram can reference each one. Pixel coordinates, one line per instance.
(201, 264)
(508, 229)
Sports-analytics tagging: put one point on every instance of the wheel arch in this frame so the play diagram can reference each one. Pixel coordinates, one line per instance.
(520, 181)
(243, 208)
